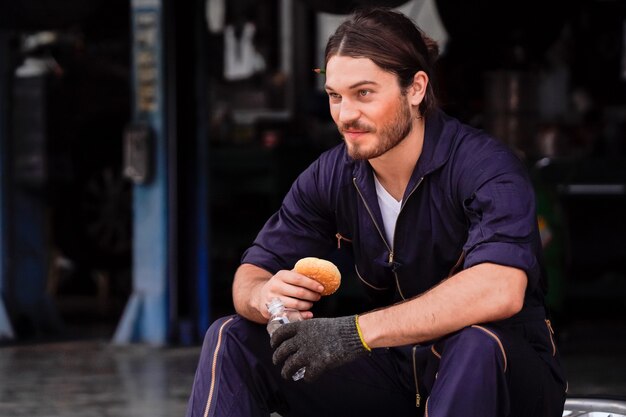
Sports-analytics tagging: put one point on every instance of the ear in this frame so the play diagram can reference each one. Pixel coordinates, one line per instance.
(417, 90)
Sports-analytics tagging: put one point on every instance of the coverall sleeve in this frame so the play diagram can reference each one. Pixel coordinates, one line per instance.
(499, 202)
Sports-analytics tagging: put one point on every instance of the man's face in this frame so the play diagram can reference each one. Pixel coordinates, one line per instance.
(367, 105)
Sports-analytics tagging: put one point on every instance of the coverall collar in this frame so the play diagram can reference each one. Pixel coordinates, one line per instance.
(435, 152)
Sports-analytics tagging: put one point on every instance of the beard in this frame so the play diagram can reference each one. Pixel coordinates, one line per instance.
(389, 134)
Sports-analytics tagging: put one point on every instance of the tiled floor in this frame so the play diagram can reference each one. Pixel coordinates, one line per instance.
(96, 379)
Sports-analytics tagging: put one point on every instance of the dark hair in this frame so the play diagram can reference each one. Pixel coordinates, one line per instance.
(393, 42)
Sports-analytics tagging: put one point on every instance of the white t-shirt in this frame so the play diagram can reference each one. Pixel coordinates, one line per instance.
(389, 208)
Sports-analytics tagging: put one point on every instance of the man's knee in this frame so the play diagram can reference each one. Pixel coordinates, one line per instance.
(235, 335)
(478, 344)
(218, 327)
(232, 328)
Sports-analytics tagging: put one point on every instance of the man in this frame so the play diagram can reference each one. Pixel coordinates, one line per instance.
(440, 220)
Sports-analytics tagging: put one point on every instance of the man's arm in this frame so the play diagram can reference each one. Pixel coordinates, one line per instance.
(254, 287)
(482, 293)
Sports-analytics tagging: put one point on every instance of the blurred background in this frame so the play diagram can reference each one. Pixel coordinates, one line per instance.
(143, 143)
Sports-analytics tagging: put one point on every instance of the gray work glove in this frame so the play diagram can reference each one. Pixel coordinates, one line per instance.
(317, 344)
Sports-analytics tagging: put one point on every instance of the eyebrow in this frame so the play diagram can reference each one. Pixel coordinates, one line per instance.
(355, 85)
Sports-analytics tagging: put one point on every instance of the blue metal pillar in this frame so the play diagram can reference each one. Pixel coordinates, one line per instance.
(202, 236)
(146, 317)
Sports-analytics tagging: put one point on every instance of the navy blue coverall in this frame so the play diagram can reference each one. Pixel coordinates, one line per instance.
(469, 201)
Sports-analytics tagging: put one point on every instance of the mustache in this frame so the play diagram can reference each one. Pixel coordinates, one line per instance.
(355, 126)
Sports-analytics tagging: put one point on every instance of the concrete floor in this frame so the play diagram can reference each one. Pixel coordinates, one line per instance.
(96, 379)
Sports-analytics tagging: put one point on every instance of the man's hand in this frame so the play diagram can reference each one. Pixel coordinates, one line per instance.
(295, 291)
(317, 344)
(254, 287)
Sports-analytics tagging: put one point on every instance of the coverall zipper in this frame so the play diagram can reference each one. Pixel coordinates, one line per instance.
(418, 398)
(340, 238)
(550, 334)
(382, 235)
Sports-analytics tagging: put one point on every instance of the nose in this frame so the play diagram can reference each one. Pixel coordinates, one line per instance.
(348, 111)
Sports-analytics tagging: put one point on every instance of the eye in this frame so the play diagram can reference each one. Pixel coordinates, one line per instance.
(334, 97)
(364, 93)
